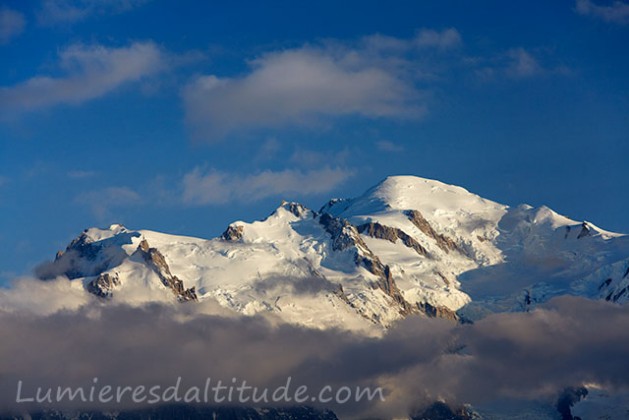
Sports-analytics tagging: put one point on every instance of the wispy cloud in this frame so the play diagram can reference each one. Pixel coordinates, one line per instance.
(616, 12)
(568, 342)
(445, 39)
(12, 24)
(426, 38)
(516, 63)
(300, 87)
(70, 11)
(216, 187)
(90, 72)
(522, 63)
(101, 202)
(388, 146)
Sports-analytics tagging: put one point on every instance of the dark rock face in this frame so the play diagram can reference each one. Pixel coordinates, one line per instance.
(443, 242)
(376, 230)
(233, 233)
(585, 231)
(157, 262)
(568, 398)
(441, 411)
(437, 311)
(104, 285)
(295, 208)
(614, 297)
(84, 257)
(344, 236)
(66, 262)
(605, 283)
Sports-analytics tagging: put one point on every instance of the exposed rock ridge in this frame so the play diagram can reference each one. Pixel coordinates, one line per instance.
(344, 236)
(81, 247)
(295, 208)
(157, 262)
(585, 230)
(445, 243)
(376, 230)
(233, 233)
(432, 311)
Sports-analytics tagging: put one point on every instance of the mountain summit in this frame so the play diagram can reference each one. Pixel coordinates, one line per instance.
(408, 246)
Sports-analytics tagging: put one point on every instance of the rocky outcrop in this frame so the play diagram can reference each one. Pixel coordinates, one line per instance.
(585, 231)
(614, 296)
(104, 285)
(445, 243)
(233, 233)
(437, 311)
(605, 283)
(85, 257)
(340, 293)
(345, 236)
(376, 230)
(442, 411)
(81, 248)
(567, 399)
(295, 208)
(157, 262)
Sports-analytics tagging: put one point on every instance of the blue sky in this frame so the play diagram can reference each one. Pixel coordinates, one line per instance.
(185, 116)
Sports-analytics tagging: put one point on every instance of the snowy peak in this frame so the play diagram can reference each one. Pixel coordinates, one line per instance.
(408, 246)
(411, 192)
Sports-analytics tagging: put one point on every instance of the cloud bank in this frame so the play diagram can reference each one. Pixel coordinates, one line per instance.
(89, 72)
(528, 356)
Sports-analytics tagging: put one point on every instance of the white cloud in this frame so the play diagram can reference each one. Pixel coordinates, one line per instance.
(617, 12)
(374, 77)
(388, 146)
(446, 39)
(522, 63)
(69, 11)
(90, 72)
(102, 201)
(11, 24)
(300, 87)
(517, 63)
(33, 296)
(215, 187)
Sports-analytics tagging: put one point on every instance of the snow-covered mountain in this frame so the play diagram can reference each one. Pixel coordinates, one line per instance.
(406, 246)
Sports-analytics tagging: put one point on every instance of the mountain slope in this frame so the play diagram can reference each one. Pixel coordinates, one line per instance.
(406, 246)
